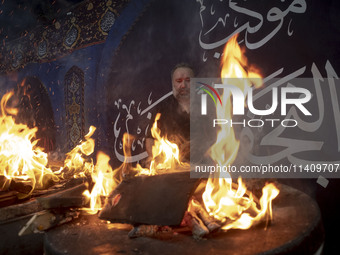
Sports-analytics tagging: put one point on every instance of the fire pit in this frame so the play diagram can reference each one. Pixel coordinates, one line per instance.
(296, 228)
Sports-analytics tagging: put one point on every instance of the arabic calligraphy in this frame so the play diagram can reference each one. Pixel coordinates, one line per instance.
(232, 18)
(317, 129)
(132, 119)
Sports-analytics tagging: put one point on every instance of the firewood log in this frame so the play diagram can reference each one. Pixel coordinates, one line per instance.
(198, 229)
(208, 221)
(71, 197)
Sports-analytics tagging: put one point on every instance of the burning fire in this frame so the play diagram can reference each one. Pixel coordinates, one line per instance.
(75, 162)
(165, 154)
(163, 148)
(229, 203)
(165, 158)
(78, 164)
(105, 180)
(21, 160)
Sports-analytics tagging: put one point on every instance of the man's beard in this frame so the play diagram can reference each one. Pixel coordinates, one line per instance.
(183, 94)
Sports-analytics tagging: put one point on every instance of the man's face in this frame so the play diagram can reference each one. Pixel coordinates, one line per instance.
(181, 83)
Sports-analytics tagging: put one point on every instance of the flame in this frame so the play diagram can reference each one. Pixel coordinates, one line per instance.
(163, 148)
(105, 181)
(229, 203)
(165, 154)
(20, 158)
(78, 164)
(75, 162)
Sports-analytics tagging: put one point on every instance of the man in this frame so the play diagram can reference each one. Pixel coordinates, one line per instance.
(174, 122)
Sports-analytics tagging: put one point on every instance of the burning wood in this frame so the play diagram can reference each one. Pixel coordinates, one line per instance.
(232, 205)
(21, 186)
(24, 166)
(8, 198)
(25, 173)
(21, 160)
(198, 210)
(195, 224)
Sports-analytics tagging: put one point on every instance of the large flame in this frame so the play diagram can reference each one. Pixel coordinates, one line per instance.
(21, 160)
(230, 203)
